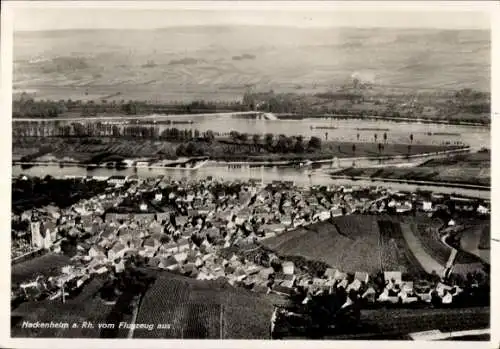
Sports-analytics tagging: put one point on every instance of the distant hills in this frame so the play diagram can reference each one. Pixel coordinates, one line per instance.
(198, 62)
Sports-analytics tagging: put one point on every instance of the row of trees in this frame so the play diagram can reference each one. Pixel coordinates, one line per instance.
(278, 144)
(27, 107)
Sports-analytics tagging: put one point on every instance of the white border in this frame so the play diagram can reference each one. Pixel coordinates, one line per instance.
(5, 156)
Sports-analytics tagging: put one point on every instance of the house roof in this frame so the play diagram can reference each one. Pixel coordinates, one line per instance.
(118, 247)
(361, 276)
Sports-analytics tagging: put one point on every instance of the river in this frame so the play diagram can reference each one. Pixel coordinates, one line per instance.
(301, 176)
(334, 129)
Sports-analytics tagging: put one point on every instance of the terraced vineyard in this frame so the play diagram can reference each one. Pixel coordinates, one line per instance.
(396, 255)
(203, 309)
(202, 321)
(163, 304)
(353, 248)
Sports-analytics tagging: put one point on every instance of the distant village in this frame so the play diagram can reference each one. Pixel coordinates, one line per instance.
(188, 227)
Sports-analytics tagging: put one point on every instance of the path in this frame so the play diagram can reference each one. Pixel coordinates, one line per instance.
(426, 261)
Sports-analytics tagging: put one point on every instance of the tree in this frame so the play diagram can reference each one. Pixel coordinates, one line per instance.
(256, 140)
(243, 137)
(209, 136)
(299, 144)
(235, 135)
(181, 150)
(269, 138)
(315, 143)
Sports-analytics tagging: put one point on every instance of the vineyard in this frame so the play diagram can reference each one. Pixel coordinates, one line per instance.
(431, 241)
(354, 248)
(202, 310)
(405, 321)
(396, 256)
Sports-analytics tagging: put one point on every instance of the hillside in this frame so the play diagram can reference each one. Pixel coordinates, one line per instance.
(203, 310)
(351, 244)
(220, 63)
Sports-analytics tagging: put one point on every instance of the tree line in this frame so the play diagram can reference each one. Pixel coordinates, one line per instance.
(27, 107)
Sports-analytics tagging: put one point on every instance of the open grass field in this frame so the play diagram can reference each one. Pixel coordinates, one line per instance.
(49, 264)
(203, 309)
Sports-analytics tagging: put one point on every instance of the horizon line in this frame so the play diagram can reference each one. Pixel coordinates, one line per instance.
(254, 25)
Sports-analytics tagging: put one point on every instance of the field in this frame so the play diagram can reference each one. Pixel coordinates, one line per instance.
(472, 241)
(86, 306)
(195, 63)
(198, 309)
(472, 168)
(428, 263)
(426, 230)
(358, 243)
(395, 252)
(48, 265)
(404, 321)
(84, 150)
(350, 244)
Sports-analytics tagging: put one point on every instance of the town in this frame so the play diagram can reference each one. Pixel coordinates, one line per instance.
(215, 230)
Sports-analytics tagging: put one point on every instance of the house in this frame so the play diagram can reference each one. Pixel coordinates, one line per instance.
(169, 263)
(361, 276)
(288, 267)
(427, 206)
(170, 247)
(158, 197)
(118, 180)
(116, 251)
(183, 245)
(394, 277)
(96, 250)
(282, 290)
(355, 285)
(180, 257)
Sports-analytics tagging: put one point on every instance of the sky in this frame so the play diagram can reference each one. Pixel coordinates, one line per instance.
(126, 15)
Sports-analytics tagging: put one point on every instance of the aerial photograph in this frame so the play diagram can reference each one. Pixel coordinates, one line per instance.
(238, 171)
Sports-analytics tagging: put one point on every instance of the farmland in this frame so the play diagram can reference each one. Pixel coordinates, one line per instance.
(404, 321)
(395, 252)
(472, 238)
(471, 168)
(198, 309)
(351, 248)
(48, 265)
(428, 263)
(81, 150)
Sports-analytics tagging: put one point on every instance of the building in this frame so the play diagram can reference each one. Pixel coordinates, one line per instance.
(288, 268)
(36, 236)
(120, 180)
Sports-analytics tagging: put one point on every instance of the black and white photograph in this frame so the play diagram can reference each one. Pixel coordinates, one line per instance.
(250, 170)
